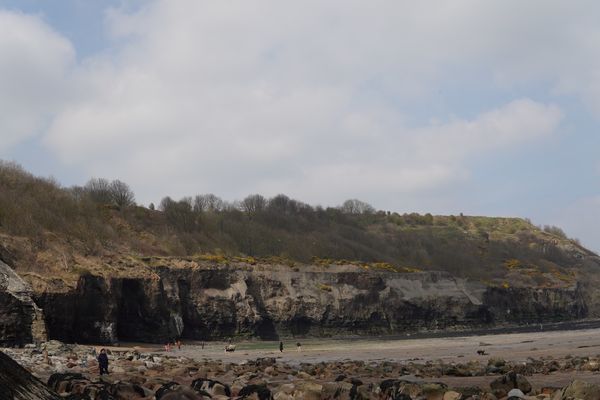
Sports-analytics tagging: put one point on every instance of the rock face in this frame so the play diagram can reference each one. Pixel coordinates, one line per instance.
(21, 320)
(219, 301)
(18, 384)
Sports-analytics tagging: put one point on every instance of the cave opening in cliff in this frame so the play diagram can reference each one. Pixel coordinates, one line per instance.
(137, 320)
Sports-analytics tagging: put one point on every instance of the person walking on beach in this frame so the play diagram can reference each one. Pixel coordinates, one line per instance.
(281, 347)
(103, 362)
(299, 347)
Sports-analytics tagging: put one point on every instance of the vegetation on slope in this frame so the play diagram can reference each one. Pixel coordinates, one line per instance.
(43, 227)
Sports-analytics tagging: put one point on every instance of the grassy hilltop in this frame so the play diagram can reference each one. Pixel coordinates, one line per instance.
(47, 230)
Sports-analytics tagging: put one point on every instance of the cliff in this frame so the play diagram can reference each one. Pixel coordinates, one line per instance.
(215, 302)
(21, 319)
(103, 271)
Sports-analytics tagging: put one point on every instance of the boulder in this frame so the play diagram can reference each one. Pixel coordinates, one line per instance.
(129, 391)
(211, 387)
(502, 385)
(64, 382)
(308, 391)
(55, 347)
(452, 395)
(578, 390)
(399, 389)
(16, 383)
(434, 391)
(258, 392)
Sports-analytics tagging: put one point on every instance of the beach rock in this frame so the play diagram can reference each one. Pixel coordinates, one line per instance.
(308, 391)
(303, 375)
(255, 392)
(502, 385)
(55, 347)
(591, 365)
(399, 389)
(16, 383)
(166, 388)
(78, 386)
(452, 395)
(211, 387)
(578, 390)
(64, 382)
(433, 391)
(129, 391)
(282, 396)
(338, 390)
(469, 391)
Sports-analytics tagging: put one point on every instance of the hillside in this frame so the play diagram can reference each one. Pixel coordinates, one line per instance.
(92, 266)
(47, 230)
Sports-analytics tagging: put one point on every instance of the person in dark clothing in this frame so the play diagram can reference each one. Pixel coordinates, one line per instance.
(103, 362)
(281, 347)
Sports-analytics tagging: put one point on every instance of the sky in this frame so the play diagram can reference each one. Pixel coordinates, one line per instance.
(481, 108)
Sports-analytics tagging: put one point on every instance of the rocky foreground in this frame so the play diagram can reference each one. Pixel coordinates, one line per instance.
(71, 372)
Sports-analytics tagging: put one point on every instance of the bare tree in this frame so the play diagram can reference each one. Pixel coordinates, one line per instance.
(253, 203)
(355, 206)
(121, 194)
(179, 214)
(78, 192)
(207, 202)
(279, 204)
(555, 230)
(99, 190)
(165, 203)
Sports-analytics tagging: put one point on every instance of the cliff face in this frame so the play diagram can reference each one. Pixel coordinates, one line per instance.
(219, 302)
(21, 320)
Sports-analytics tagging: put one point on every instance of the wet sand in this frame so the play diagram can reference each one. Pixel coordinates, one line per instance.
(514, 347)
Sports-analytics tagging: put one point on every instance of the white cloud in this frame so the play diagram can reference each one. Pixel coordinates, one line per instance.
(34, 64)
(313, 99)
(304, 98)
(516, 122)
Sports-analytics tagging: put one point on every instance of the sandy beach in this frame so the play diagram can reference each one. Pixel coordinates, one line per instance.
(513, 347)
(516, 347)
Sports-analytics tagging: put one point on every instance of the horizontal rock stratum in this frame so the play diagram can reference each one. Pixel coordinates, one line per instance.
(209, 301)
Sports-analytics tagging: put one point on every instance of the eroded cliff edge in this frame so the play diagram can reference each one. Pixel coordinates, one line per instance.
(204, 301)
(21, 320)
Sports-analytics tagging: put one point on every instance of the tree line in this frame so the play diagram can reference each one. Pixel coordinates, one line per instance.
(102, 216)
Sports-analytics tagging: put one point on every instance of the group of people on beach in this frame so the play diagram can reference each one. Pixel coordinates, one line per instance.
(298, 347)
(174, 343)
(103, 356)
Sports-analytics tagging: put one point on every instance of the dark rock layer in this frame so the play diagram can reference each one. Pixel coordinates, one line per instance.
(220, 302)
